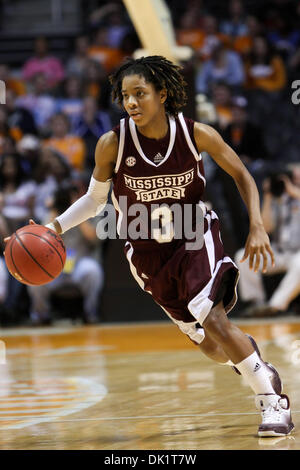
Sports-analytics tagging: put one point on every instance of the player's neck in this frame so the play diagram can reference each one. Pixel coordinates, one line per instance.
(156, 129)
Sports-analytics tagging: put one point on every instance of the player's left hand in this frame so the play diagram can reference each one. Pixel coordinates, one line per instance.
(258, 246)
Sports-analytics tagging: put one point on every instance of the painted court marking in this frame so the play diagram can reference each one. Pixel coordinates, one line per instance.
(90, 393)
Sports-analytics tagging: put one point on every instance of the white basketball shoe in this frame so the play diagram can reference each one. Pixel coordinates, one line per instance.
(276, 415)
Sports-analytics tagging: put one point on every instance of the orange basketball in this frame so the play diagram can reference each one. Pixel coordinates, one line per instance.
(35, 255)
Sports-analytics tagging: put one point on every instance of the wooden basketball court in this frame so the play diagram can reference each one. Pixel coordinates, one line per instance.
(141, 386)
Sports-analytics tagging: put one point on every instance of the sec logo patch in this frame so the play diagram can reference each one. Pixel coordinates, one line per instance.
(130, 161)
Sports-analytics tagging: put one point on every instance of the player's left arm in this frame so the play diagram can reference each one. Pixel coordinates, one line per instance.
(258, 243)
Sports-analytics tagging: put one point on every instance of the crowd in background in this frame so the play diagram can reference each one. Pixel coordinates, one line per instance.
(244, 59)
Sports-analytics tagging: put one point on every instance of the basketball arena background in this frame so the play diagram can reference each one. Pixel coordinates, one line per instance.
(241, 60)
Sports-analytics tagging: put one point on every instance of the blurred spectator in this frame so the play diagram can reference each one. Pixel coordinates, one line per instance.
(117, 29)
(190, 31)
(10, 289)
(90, 125)
(281, 218)
(265, 69)
(296, 17)
(269, 10)
(29, 150)
(77, 63)
(4, 232)
(82, 268)
(39, 102)
(53, 163)
(222, 101)
(70, 145)
(95, 76)
(5, 131)
(17, 194)
(20, 119)
(101, 52)
(178, 9)
(247, 141)
(293, 66)
(43, 63)
(3, 285)
(203, 39)
(236, 24)
(129, 44)
(7, 144)
(245, 138)
(283, 37)
(243, 44)
(70, 103)
(14, 84)
(224, 65)
(112, 16)
(51, 172)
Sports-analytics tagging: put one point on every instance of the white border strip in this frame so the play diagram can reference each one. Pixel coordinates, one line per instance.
(133, 268)
(201, 305)
(121, 144)
(138, 145)
(197, 155)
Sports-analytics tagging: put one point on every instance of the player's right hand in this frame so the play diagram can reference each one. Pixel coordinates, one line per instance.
(31, 222)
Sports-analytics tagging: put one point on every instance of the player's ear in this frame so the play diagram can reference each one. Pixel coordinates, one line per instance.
(163, 95)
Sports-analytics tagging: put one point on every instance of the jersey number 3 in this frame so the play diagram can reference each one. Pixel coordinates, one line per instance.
(162, 224)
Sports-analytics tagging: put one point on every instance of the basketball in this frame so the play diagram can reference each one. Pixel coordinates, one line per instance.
(35, 255)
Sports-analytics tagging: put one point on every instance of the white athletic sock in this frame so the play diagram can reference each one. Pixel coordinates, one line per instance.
(228, 363)
(255, 374)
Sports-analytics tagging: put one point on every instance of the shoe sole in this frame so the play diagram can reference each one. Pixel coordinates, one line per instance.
(273, 433)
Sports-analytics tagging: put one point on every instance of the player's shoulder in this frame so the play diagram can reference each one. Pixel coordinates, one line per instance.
(109, 138)
(205, 134)
(106, 149)
(108, 141)
(204, 129)
(197, 126)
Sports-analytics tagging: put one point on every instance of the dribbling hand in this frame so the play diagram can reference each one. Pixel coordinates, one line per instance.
(31, 222)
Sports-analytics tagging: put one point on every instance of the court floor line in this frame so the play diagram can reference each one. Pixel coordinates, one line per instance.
(54, 405)
(122, 418)
(33, 398)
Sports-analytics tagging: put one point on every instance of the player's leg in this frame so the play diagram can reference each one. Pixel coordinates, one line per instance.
(214, 351)
(232, 340)
(275, 408)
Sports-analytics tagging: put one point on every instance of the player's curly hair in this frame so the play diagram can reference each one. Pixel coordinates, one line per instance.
(157, 70)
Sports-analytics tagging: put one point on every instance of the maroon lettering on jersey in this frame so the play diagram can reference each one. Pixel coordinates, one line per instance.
(153, 172)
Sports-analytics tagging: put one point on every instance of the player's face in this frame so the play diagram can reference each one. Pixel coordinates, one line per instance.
(141, 100)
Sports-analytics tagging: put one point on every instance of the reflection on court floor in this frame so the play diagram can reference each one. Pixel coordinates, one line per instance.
(142, 386)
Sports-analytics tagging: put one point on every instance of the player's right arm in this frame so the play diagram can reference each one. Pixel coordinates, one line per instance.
(94, 200)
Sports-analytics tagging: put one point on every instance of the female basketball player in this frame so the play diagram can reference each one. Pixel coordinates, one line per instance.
(154, 156)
